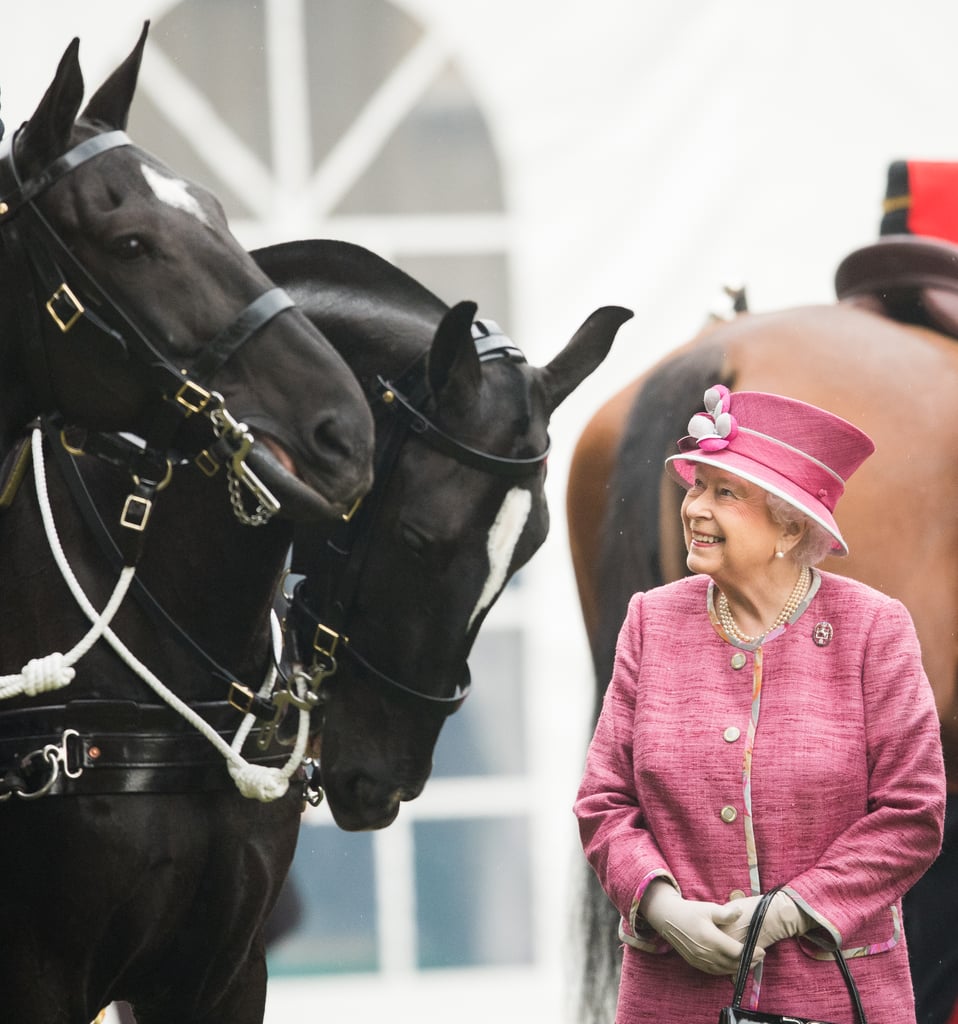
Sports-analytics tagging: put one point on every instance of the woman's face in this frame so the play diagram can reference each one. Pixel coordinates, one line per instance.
(729, 531)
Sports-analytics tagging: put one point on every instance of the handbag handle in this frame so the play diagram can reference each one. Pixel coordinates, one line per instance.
(751, 938)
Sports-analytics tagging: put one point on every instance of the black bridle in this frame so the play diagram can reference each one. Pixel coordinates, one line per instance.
(321, 603)
(45, 276)
(37, 256)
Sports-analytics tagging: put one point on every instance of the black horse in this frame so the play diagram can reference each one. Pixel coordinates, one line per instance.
(178, 931)
(383, 622)
(125, 301)
(126, 305)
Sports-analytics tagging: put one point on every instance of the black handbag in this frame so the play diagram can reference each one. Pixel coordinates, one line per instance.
(735, 1014)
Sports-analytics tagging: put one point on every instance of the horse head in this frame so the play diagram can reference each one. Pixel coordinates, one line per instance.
(131, 306)
(390, 606)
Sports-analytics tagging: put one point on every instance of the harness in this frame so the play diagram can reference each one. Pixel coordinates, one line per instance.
(322, 602)
(48, 749)
(48, 277)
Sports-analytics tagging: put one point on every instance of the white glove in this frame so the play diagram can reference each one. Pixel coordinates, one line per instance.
(697, 930)
(784, 919)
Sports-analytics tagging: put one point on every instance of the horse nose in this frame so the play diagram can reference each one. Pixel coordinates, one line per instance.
(343, 447)
(371, 793)
(347, 434)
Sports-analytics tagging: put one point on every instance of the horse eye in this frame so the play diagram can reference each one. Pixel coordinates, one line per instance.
(130, 248)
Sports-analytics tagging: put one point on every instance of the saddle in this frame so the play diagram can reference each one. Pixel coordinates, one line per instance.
(906, 278)
(911, 273)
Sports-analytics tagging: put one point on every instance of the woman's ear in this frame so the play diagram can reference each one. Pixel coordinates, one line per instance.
(793, 532)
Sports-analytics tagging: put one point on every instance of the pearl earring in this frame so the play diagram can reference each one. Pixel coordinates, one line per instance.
(779, 554)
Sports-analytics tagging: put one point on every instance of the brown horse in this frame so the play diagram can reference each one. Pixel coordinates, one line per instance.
(898, 514)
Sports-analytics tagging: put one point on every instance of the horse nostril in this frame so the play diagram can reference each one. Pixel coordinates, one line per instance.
(331, 436)
(343, 438)
(366, 791)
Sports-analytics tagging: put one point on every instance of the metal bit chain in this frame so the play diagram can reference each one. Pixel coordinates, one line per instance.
(259, 517)
(240, 440)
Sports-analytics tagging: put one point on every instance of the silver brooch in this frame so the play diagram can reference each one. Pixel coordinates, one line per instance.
(823, 633)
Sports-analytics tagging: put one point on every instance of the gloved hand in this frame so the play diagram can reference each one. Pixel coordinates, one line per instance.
(697, 930)
(784, 919)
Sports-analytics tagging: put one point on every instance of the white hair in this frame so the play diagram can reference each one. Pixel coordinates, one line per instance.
(817, 543)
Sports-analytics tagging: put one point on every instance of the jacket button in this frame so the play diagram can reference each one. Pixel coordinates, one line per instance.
(736, 894)
(731, 734)
(728, 814)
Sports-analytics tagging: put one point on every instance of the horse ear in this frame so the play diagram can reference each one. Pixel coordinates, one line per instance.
(453, 362)
(588, 347)
(110, 104)
(47, 134)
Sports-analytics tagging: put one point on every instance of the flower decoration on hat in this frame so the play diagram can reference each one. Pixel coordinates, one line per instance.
(716, 427)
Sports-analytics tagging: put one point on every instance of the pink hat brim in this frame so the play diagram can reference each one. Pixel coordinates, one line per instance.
(681, 468)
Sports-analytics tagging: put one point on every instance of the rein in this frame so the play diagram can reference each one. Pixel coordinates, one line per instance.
(253, 778)
(321, 603)
(36, 252)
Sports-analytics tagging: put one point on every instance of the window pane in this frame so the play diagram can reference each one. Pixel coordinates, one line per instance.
(353, 48)
(487, 735)
(332, 883)
(473, 892)
(440, 159)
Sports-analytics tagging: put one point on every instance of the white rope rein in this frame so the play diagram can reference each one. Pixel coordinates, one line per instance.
(54, 671)
(261, 782)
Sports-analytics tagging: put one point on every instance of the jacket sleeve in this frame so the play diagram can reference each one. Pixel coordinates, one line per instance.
(874, 861)
(617, 844)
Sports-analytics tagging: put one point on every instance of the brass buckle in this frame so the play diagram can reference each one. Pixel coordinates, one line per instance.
(347, 516)
(136, 512)
(241, 697)
(207, 463)
(333, 640)
(65, 292)
(185, 396)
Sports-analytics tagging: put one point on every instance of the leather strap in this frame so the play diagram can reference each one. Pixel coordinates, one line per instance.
(120, 747)
(442, 442)
(751, 939)
(117, 557)
(18, 193)
(252, 319)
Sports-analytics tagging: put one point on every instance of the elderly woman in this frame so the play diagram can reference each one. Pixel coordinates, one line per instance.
(766, 723)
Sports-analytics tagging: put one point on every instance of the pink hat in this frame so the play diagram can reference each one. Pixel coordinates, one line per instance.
(792, 449)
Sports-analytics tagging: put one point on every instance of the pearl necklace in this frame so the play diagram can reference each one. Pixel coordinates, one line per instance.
(794, 600)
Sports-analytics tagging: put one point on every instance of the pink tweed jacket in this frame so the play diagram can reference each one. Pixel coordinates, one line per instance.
(817, 766)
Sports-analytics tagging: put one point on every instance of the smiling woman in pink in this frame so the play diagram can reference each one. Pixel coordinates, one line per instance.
(767, 723)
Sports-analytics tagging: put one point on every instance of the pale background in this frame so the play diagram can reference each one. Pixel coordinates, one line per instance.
(651, 153)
